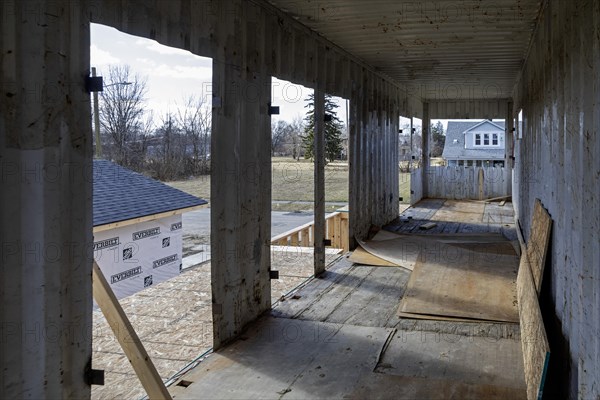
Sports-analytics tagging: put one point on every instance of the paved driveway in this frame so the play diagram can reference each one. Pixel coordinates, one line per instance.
(198, 222)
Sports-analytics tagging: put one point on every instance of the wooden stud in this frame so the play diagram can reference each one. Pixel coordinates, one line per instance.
(127, 337)
(319, 171)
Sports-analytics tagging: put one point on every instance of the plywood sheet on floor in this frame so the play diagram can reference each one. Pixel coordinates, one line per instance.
(282, 358)
(404, 250)
(452, 361)
(477, 281)
(460, 211)
(363, 257)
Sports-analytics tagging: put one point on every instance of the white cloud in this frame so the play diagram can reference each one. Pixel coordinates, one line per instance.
(101, 57)
(183, 72)
(160, 49)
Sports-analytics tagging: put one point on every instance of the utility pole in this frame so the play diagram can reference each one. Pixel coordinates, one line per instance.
(97, 121)
(97, 114)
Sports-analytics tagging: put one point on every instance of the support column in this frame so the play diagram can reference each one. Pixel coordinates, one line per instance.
(240, 180)
(354, 160)
(319, 154)
(509, 146)
(45, 200)
(425, 133)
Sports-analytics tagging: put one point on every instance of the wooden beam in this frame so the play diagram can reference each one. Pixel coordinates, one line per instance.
(127, 337)
(425, 150)
(480, 182)
(146, 218)
(319, 154)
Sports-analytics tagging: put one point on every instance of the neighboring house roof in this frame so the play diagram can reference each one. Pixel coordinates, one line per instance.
(121, 194)
(457, 151)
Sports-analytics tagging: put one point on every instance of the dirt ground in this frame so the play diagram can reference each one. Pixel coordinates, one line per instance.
(174, 322)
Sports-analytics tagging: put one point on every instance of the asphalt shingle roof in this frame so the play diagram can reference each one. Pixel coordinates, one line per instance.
(121, 194)
(453, 151)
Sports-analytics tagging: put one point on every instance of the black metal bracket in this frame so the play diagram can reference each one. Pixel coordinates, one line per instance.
(273, 274)
(94, 84)
(273, 110)
(94, 376)
(327, 118)
(327, 242)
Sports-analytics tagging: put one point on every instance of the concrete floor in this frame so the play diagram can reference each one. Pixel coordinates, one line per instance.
(339, 336)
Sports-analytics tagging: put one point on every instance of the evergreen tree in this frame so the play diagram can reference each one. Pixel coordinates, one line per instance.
(333, 129)
(438, 139)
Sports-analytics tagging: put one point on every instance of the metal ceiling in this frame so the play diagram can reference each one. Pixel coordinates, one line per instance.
(440, 49)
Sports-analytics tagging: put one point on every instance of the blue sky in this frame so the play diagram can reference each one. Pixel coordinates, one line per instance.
(173, 74)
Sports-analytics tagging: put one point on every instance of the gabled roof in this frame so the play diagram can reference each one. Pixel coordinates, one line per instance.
(457, 151)
(121, 194)
(486, 122)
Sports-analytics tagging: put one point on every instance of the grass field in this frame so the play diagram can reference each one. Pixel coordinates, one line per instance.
(293, 182)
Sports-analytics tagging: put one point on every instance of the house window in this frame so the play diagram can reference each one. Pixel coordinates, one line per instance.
(460, 163)
(495, 139)
(478, 163)
(477, 139)
(486, 139)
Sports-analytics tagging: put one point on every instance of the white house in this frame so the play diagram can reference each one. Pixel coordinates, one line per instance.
(477, 143)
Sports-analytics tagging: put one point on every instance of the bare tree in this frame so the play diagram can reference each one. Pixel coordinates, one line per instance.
(122, 110)
(280, 132)
(194, 119)
(168, 155)
(295, 137)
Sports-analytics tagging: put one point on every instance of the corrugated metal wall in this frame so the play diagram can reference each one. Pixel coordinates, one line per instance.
(558, 161)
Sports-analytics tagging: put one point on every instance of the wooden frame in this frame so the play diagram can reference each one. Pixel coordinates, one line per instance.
(336, 230)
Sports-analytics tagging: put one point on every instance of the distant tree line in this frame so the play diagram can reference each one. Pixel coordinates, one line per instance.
(176, 145)
(172, 146)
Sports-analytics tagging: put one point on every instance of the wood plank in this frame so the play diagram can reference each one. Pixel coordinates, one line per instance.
(480, 180)
(427, 226)
(430, 317)
(368, 296)
(476, 282)
(127, 337)
(319, 166)
(537, 245)
(375, 301)
(311, 293)
(536, 351)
